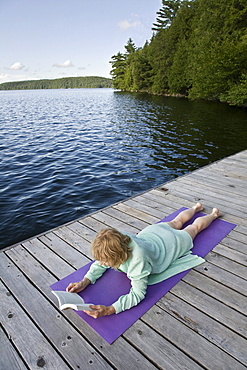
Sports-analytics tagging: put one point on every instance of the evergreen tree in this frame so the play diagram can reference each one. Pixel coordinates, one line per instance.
(178, 39)
(199, 50)
(142, 70)
(159, 62)
(166, 14)
(218, 48)
(118, 63)
(130, 47)
(59, 83)
(129, 70)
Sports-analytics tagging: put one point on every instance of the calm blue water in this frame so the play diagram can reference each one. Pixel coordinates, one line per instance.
(67, 153)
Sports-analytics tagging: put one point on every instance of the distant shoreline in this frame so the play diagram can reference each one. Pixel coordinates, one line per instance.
(59, 83)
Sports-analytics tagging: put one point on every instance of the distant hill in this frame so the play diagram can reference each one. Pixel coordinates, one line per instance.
(59, 83)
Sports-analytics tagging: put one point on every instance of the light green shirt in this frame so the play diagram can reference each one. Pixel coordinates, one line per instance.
(158, 252)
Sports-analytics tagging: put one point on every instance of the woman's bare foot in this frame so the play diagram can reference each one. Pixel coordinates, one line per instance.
(216, 213)
(198, 207)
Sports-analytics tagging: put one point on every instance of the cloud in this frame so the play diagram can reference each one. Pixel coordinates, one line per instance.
(9, 78)
(66, 64)
(126, 24)
(17, 66)
(3, 77)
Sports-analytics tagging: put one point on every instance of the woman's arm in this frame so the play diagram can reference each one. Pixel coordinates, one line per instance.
(136, 295)
(94, 273)
(100, 310)
(78, 286)
(138, 270)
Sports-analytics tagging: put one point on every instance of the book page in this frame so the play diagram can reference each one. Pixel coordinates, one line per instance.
(66, 297)
(71, 300)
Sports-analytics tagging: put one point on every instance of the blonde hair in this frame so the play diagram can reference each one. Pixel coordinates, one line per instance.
(111, 246)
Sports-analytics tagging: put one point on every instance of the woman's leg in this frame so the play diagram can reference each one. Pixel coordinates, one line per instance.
(184, 216)
(202, 223)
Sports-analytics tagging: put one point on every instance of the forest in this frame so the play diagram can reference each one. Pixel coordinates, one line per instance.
(59, 83)
(198, 49)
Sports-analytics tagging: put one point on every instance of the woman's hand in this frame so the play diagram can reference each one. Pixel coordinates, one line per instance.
(100, 310)
(79, 286)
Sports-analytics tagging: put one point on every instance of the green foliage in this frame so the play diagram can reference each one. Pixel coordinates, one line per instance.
(237, 94)
(218, 55)
(130, 47)
(60, 83)
(118, 63)
(142, 71)
(122, 67)
(199, 50)
(166, 14)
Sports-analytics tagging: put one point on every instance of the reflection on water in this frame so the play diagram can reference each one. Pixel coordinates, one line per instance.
(67, 153)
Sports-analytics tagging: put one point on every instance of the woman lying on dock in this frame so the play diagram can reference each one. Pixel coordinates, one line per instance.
(157, 252)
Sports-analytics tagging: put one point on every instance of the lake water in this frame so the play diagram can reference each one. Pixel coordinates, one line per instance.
(67, 153)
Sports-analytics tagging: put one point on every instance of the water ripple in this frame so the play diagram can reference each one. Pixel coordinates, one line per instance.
(66, 153)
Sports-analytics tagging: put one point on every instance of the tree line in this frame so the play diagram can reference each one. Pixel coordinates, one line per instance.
(59, 83)
(198, 49)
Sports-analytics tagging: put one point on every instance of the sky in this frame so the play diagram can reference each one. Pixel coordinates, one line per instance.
(69, 38)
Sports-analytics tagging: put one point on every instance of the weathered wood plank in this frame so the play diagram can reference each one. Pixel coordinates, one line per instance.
(38, 274)
(210, 178)
(232, 174)
(29, 341)
(216, 290)
(158, 349)
(212, 307)
(231, 254)
(197, 347)
(164, 197)
(185, 186)
(241, 229)
(64, 250)
(224, 277)
(227, 264)
(71, 346)
(234, 161)
(127, 219)
(113, 222)
(139, 205)
(83, 231)
(131, 211)
(160, 202)
(235, 200)
(200, 324)
(220, 171)
(72, 238)
(239, 233)
(215, 332)
(179, 200)
(190, 196)
(44, 254)
(220, 200)
(8, 355)
(92, 223)
(119, 354)
(42, 279)
(234, 244)
(230, 184)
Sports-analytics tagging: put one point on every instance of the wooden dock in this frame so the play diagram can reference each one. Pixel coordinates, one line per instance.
(200, 324)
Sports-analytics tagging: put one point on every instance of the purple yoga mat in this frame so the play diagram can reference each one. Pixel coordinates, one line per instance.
(113, 284)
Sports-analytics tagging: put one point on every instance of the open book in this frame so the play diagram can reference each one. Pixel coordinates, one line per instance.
(71, 300)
